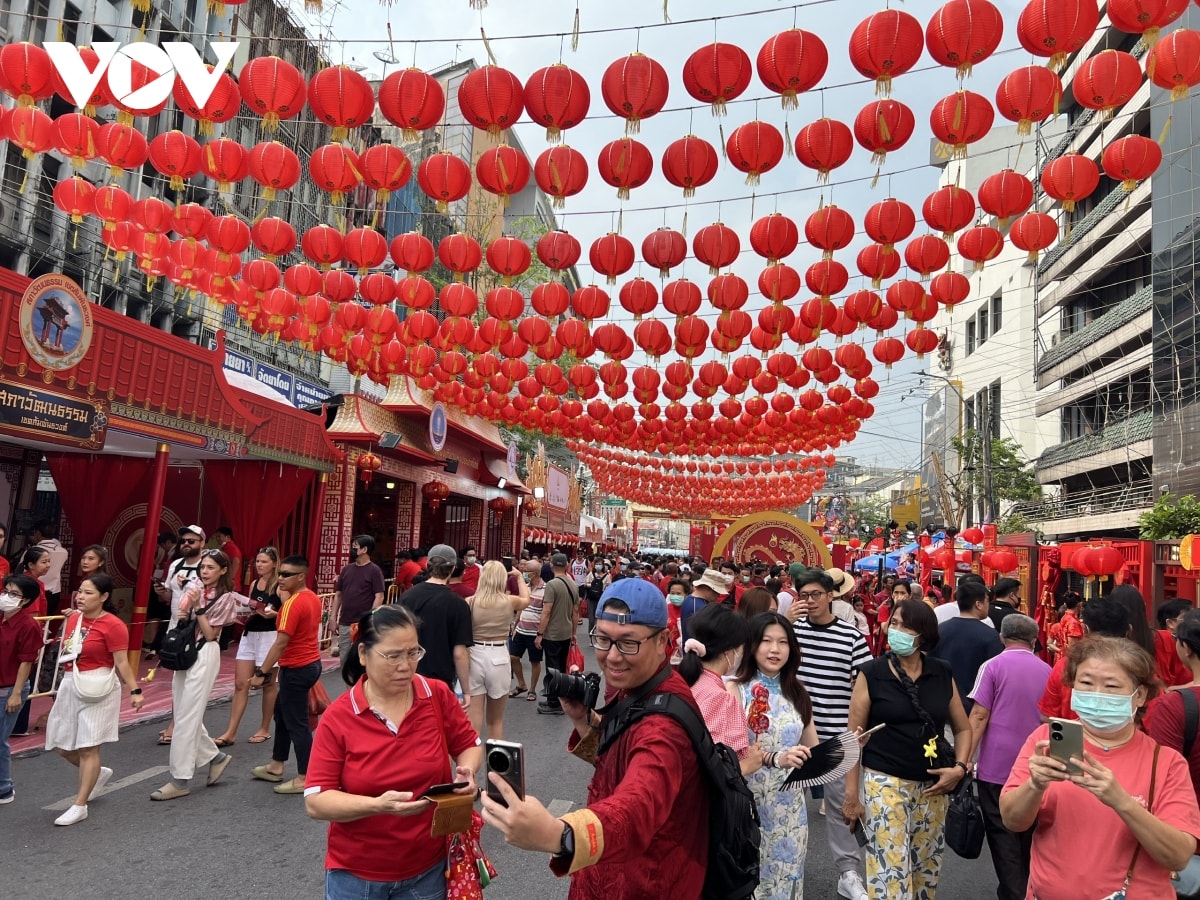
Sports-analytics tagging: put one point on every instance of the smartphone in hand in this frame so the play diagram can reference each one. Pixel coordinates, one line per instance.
(1066, 740)
(506, 759)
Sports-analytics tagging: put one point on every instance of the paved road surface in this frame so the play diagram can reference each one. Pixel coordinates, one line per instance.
(240, 840)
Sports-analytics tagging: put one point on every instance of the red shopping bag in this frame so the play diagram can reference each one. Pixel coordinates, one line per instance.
(575, 661)
(318, 702)
(468, 869)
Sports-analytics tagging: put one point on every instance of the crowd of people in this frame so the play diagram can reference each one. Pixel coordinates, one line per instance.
(775, 660)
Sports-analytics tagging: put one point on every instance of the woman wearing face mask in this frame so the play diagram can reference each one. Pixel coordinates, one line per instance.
(914, 696)
(1131, 797)
(20, 645)
(718, 636)
(770, 662)
(597, 580)
(34, 564)
(676, 594)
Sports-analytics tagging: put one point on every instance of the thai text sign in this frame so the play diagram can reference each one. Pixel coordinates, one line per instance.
(53, 417)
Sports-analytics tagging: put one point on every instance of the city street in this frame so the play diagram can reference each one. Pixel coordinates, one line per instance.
(239, 839)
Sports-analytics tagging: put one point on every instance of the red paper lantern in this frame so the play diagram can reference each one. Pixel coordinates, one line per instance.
(26, 73)
(99, 97)
(1057, 28)
(272, 88)
(963, 33)
(502, 171)
(922, 341)
(791, 63)
(444, 177)
(1106, 560)
(961, 119)
(434, 493)
(689, 163)
(273, 237)
(460, 253)
(323, 245)
(927, 254)
(303, 280)
(75, 137)
(664, 249)
(560, 172)
(558, 98)
(888, 351)
(886, 44)
(625, 164)
(558, 250)
(1027, 95)
(774, 237)
(590, 302)
(826, 278)
(980, 245)
(508, 257)
(122, 147)
(634, 88)
(1174, 62)
(681, 298)
(611, 256)
(175, 155)
(949, 209)
(878, 263)
(458, 300)
(754, 148)
(1000, 561)
(415, 292)
(950, 288)
(716, 74)
(779, 282)
(638, 297)
(824, 145)
(1070, 178)
(364, 248)
(716, 246)
(1005, 194)
(274, 166)
(223, 104)
(491, 98)
(903, 296)
(335, 168)
(1144, 17)
(883, 125)
(1107, 80)
(76, 197)
(224, 160)
(1033, 233)
(1131, 160)
(829, 229)
(377, 289)
(889, 222)
(413, 101)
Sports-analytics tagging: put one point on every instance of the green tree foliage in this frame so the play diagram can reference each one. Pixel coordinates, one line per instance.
(1170, 519)
(1013, 479)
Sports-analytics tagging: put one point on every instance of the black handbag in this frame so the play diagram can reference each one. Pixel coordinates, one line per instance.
(180, 647)
(964, 821)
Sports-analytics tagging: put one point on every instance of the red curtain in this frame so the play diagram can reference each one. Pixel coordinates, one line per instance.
(256, 498)
(93, 489)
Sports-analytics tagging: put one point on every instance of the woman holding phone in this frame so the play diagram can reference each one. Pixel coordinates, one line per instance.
(379, 748)
(1130, 796)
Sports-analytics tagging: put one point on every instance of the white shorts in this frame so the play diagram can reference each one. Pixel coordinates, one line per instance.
(255, 645)
(491, 673)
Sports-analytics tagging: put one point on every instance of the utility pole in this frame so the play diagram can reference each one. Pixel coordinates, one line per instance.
(989, 506)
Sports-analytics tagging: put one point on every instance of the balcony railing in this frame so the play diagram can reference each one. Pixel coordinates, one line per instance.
(1136, 495)
(1080, 229)
(1137, 427)
(1123, 313)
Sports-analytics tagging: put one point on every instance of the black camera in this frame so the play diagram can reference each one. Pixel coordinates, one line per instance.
(583, 688)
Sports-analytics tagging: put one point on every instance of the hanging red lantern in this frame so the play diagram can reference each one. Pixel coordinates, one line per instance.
(1107, 80)
(964, 33)
(491, 98)
(384, 168)
(74, 136)
(272, 88)
(560, 172)
(1000, 561)
(864, 306)
(558, 250)
(829, 229)
(791, 63)
(26, 73)
(122, 147)
(779, 282)
(716, 74)
(590, 302)
(1070, 178)
(365, 249)
(1174, 62)
(557, 97)
(927, 254)
(273, 237)
(456, 299)
(368, 464)
(889, 222)
(717, 246)
(625, 164)
(884, 45)
(1057, 28)
(961, 119)
(826, 278)
(1106, 560)
(274, 166)
(302, 280)
(883, 125)
(1027, 95)
(903, 296)
(175, 155)
(949, 209)
(508, 257)
(878, 263)
(634, 88)
(76, 197)
(415, 292)
(444, 177)
(1005, 194)
(1131, 160)
(824, 145)
(922, 341)
(888, 351)
(222, 105)
(638, 297)
(1144, 17)
(99, 97)
(681, 298)
(664, 249)
(689, 163)
(224, 160)
(191, 220)
(460, 253)
(335, 168)
(774, 237)
(413, 101)
(611, 256)
(341, 98)
(980, 245)
(950, 288)
(1033, 233)
(754, 148)
(323, 245)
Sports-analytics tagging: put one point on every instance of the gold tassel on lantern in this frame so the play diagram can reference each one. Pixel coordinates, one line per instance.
(176, 182)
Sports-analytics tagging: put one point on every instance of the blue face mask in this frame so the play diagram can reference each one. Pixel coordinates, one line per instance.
(1103, 712)
(902, 643)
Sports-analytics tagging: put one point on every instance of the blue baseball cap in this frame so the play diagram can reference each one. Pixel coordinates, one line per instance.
(647, 605)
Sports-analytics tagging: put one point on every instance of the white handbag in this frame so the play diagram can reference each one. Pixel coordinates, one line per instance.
(94, 685)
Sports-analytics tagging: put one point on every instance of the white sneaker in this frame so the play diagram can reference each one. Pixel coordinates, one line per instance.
(72, 815)
(8, 798)
(102, 782)
(850, 885)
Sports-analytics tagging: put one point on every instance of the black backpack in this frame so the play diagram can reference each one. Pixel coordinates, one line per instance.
(734, 830)
(180, 647)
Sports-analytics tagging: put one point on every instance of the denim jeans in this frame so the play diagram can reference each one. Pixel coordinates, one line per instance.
(430, 885)
(7, 721)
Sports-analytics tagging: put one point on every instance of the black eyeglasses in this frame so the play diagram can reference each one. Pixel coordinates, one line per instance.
(190, 541)
(283, 575)
(625, 646)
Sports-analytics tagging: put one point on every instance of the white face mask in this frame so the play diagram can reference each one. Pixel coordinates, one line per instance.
(9, 605)
(470, 560)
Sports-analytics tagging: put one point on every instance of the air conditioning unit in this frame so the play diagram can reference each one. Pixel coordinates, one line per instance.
(1059, 336)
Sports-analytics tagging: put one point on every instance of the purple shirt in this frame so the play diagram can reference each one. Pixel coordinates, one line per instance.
(1009, 687)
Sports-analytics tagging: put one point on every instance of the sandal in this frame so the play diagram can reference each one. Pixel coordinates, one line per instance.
(517, 691)
(532, 695)
(258, 739)
(224, 742)
(163, 739)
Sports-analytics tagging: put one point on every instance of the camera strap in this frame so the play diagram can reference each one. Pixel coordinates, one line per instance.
(619, 715)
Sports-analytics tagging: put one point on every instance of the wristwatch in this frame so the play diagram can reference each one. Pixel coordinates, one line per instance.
(259, 673)
(966, 769)
(567, 848)
(135, 692)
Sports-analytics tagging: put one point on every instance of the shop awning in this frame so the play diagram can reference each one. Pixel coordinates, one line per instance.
(406, 398)
(591, 529)
(497, 469)
(359, 420)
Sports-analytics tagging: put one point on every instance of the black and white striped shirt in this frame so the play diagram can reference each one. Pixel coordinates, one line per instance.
(830, 658)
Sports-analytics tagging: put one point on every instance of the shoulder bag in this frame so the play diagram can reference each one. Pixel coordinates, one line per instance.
(93, 685)
(1187, 881)
(1137, 851)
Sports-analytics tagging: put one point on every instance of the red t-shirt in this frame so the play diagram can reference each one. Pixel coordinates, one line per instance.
(237, 563)
(38, 607)
(300, 620)
(1170, 666)
(102, 637)
(20, 642)
(1164, 722)
(356, 751)
(1056, 702)
(406, 573)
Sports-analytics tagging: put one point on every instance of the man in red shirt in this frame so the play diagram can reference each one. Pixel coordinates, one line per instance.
(644, 832)
(299, 658)
(406, 570)
(237, 562)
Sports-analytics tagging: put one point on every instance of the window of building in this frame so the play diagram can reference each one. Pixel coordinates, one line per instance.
(984, 332)
(997, 313)
(14, 172)
(970, 337)
(70, 24)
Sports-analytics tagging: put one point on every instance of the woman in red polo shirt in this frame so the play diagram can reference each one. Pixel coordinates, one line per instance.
(380, 746)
